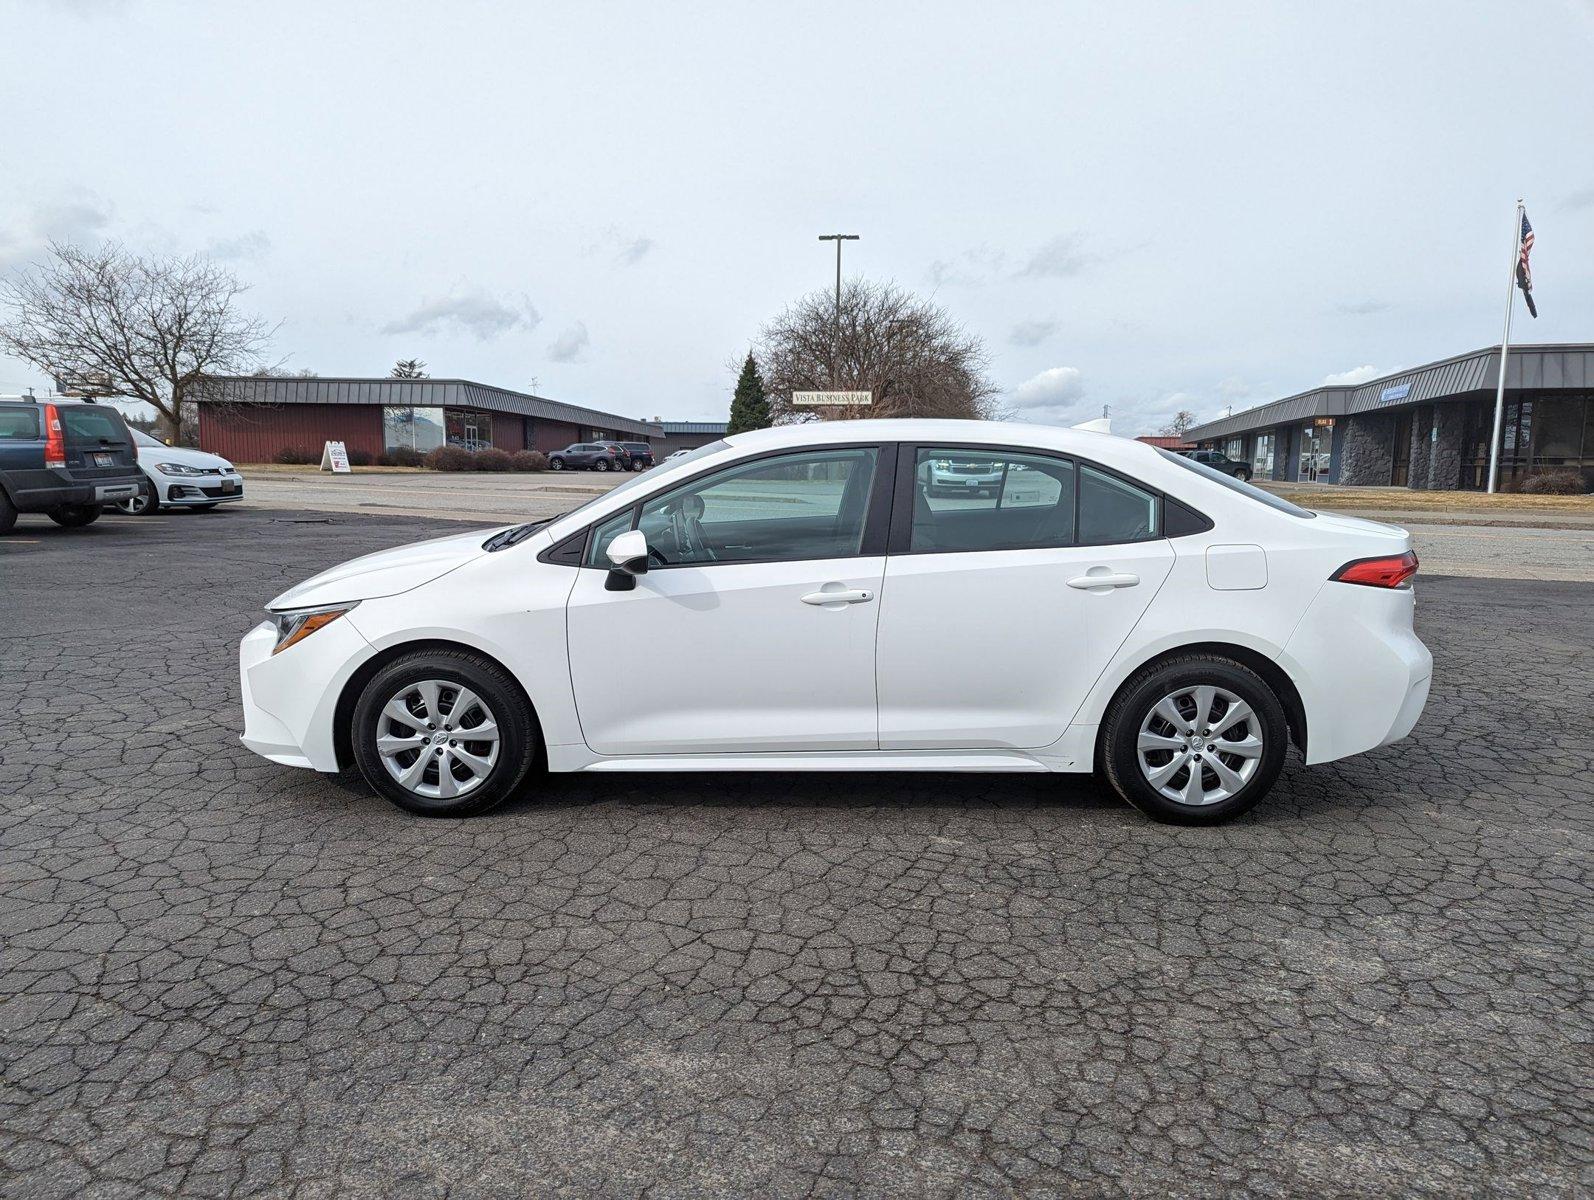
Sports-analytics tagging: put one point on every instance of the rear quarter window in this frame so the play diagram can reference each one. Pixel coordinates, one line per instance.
(20, 423)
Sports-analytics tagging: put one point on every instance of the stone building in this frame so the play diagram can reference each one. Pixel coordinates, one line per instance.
(1428, 427)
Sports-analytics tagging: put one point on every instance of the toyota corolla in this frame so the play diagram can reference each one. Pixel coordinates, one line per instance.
(1108, 607)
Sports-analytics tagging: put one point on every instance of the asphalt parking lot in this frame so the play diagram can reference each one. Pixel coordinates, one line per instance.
(220, 977)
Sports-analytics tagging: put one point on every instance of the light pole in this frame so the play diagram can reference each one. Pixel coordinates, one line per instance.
(835, 345)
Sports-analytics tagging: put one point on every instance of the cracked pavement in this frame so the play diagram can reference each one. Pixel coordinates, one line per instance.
(220, 977)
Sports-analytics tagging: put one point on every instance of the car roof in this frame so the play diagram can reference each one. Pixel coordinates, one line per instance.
(1103, 447)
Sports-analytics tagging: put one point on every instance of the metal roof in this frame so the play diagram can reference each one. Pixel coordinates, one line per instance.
(681, 427)
(423, 393)
(1542, 367)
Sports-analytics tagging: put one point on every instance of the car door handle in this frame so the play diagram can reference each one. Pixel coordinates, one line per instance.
(1104, 579)
(840, 596)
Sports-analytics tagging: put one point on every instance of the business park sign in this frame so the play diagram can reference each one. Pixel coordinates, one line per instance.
(833, 398)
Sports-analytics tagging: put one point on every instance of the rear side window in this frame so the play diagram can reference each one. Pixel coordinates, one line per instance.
(19, 423)
(86, 422)
(973, 499)
(1114, 510)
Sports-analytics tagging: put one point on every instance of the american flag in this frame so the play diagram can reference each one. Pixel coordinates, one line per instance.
(1524, 274)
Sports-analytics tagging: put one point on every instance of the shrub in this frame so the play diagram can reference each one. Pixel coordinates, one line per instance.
(491, 459)
(1555, 483)
(449, 458)
(529, 460)
(360, 458)
(295, 456)
(406, 456)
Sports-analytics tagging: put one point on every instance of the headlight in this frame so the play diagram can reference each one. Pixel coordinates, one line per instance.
(942, 464)
(299, 623)
(178, 469)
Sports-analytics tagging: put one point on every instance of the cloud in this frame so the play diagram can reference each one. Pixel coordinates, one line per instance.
(634, 251)
(567, 347)
(1354, 375)
(626, 249)
(1230, 387)
(978, 265)
(1578, 200)
(251, 245)
(1031, 333)
(76, 216)
(1047, 395)
(482, 316)
(1363, 308)
(1058, 259)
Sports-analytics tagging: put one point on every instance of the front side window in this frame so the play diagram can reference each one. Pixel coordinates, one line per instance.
(808, 505)
(977, 499)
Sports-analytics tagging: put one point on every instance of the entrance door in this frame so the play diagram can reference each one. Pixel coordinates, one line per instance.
(754, 627)
(991, 631)
(1315, 441)
(1400, 475)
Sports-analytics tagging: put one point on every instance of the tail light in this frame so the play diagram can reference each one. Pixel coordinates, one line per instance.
(1385, 572)
(54, 440)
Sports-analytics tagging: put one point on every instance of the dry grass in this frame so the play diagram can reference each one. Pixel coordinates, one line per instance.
(1407, 500)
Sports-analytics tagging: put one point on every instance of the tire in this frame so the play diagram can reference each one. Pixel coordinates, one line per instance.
(8, 512)
(1243, 475)
(601, 465)
(556, 464)
(409, 680)
(145, 504)
(639, 466)
(1138, 708)
(74, 516)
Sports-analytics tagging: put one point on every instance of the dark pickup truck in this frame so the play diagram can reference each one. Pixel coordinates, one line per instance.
(64, 458)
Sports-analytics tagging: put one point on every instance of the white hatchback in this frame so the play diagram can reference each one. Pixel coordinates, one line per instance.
(177, 477)
(1093, 604)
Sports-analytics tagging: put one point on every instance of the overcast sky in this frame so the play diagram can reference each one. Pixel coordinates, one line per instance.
(1152, 207)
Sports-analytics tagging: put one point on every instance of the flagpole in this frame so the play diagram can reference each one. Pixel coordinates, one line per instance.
(1505, 351)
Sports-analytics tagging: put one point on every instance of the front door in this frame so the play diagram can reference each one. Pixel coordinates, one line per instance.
(1400, 472)
(1002, 608)
(754, 628)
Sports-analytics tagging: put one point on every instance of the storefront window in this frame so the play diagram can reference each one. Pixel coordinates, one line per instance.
(1234, 449)
(1264, 455)
(412, 428)
(472, 430)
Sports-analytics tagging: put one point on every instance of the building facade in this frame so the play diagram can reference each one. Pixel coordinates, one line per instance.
(686, 435)
(251, 418)
(1428, 427)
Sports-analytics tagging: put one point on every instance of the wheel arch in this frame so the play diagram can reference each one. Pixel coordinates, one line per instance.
(343, 711)
(1271, 673)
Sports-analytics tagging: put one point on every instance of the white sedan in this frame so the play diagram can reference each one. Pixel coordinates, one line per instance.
(177, 477)
(1110, 607)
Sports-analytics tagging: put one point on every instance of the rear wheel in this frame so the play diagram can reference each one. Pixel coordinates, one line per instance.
(602, 464)
(443, 733)
(1243, 475)
(74, 516)
(1195, 740)
(145, 504)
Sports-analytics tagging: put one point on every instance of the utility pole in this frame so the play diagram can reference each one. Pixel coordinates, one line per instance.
(835, 345)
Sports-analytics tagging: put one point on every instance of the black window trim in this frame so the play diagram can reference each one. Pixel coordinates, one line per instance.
(876, 520)
(902, 507)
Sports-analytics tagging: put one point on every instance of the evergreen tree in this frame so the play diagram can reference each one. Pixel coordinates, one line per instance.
(408, 368)
(750, 406)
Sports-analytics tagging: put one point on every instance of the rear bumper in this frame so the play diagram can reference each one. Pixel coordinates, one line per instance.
(73, 491)
(1362, 672)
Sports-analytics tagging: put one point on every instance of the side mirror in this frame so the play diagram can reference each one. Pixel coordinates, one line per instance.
(628, 555)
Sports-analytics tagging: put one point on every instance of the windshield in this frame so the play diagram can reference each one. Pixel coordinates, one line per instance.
(510, 536)
(1277, 503)
(143, 439)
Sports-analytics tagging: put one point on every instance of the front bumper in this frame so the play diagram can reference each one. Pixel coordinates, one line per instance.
(290, 699)
(187, 490)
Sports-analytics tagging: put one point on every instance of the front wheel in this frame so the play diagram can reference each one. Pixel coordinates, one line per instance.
(1194, 741)
(75, 516)
(639, 466)
(145, 504)
(1243, 475)
(443, 733)
(602, 464)
(556, 464)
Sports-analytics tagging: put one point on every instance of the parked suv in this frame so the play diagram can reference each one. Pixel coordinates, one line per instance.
(641, 454)
(64, 458)
(588, 456)
(1219, 461)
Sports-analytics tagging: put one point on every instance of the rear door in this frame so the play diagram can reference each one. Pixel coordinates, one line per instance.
(22, 450)
(99, 445)
(999, 611)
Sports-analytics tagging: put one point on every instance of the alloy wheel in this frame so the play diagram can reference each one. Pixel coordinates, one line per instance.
(437, 739)
(1199, 745)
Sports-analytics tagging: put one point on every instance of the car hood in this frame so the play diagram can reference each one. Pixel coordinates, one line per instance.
(385, 573)
(148, 456)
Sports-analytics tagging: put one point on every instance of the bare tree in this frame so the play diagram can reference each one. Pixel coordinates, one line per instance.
(1183, 422)
(115, 323)
(408, 368)
(914, 358)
